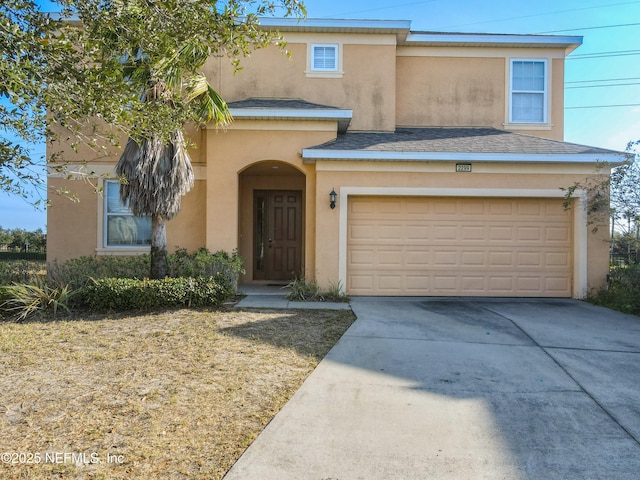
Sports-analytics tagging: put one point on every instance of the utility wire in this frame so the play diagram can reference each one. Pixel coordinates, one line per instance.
(609, 85)
(541, 14)
(605, 106)
(605, 80)
(606, 53)
(593, 28)
(620, 53)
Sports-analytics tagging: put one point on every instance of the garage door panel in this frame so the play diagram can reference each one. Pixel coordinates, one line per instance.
(501, 259)
(557, 259)
(557, 284)
(418, 283)
(360, 257)
(445, 284)
(491, 246)
(442, 206)
(473, 233)
(473, 258)
(557, 234)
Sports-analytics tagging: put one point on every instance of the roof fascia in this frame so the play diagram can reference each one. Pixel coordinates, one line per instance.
(342, 116)
(311, 155)
(568, 42)
(334, 24)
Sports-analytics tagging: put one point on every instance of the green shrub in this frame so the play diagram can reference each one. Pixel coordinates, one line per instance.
(623, 291)
(203, 263)
(133, 294)
(302, 291)
(26, 301)
(22, 271)
(80, 272)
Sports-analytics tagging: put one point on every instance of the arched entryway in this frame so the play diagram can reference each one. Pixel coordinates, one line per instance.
(271, 224)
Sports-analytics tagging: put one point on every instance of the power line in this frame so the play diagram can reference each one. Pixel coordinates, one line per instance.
(605, 106)
(541, 14)
(609, 85)
(605, 80)
(619, 53)
(593, 28)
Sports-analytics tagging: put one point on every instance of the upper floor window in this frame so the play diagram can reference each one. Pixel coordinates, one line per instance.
(324, 57)
(528, 91)
(121, 227)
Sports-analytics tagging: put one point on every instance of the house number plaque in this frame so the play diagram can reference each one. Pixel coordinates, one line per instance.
(463, 167)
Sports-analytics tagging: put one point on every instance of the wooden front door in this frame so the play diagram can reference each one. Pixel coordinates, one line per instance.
(277, 234)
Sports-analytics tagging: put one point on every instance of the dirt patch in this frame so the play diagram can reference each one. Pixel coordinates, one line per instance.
(168, 395)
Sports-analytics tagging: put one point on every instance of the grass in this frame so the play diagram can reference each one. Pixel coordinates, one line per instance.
(176, 394)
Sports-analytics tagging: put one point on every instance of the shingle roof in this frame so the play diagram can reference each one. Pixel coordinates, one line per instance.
(279, 103)
(455, 140)
(289, 109)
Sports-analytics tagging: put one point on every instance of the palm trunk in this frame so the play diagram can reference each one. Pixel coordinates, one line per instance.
(159, 265)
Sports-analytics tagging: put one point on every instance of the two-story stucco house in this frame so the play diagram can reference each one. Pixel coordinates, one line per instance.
(445, 152)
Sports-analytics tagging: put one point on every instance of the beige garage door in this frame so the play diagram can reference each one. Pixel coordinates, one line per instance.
(459, 246)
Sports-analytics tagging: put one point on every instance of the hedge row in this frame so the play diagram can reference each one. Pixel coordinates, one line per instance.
(108, 283)
(80, 272)
(133, 294)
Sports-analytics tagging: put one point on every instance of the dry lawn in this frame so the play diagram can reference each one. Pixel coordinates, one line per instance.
(168, 395)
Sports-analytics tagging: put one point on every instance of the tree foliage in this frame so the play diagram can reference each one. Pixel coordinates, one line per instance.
(625, 189)
(86, 67)
(29, 61)
(127, 67)
(614, 200)
(18, 240)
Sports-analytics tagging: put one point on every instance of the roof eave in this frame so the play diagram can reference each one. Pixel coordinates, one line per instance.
(433, 39)
(341, 116)
(330, 24)
(311, 155)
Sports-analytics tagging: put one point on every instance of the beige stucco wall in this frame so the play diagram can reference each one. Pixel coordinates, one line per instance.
(188, 229)
(367, 87)
(74, 228)
(247, 143)
(470, 87)
(441, 91)
(71, 226)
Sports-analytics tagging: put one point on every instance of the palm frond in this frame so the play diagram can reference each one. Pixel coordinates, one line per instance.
(157, 175)
(188, 58)
(209, 106)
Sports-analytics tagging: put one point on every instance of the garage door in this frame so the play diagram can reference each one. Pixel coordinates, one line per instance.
(459, 246)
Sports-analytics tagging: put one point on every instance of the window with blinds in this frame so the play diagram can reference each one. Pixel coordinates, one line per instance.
(324, 58)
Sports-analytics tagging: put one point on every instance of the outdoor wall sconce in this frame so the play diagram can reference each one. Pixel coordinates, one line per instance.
(332, 199)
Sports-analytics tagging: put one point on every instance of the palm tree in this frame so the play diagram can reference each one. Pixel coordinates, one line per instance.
(155, 173)
(139, 72)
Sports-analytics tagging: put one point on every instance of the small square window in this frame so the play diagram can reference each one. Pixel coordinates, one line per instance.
(324, 57)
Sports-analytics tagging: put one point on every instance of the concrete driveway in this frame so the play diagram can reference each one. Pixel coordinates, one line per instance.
(464, 389)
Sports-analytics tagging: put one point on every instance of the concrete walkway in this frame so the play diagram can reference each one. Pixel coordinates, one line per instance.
(464, 389)
(267, 296)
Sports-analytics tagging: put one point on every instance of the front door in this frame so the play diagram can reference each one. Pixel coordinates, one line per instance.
(277, 234)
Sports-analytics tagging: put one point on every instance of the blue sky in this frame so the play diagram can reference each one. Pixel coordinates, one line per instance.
(602, 96)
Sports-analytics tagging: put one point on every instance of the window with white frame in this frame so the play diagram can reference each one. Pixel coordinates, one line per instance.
(121, 227)
(324, 57)
(528, 91)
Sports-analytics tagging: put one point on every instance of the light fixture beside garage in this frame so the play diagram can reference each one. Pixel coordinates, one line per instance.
(332, 198)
